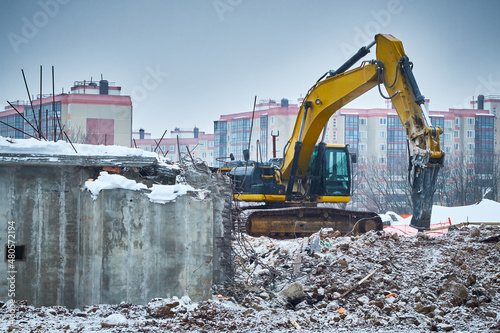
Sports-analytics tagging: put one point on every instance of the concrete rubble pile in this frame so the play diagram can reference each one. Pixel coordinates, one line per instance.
(417, 284)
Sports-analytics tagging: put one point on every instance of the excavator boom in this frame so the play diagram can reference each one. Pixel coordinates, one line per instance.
(393, 70)
(302, 175)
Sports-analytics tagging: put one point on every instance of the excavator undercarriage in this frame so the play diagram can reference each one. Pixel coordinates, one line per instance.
(304, 221)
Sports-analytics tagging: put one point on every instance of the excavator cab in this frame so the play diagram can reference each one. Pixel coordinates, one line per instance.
(329, 171)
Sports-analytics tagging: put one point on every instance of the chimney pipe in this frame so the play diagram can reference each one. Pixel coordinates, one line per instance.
(480, 102)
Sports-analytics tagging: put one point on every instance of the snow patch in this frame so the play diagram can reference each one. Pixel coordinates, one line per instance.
(116, 319)
(485, 211)
(166, 193)
(105, 181)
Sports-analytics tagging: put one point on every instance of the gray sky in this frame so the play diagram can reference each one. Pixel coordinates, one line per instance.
(186, 62)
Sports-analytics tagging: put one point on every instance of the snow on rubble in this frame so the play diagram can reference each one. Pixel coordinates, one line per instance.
(419, 284)
(157, 193)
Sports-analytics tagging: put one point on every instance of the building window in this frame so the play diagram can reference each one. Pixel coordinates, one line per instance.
(447, 150)
(326, 136)
(210, 144)
(484, 140)
(470, 159)
(264, 134)
(183, 149)
(457, 148)
(457, 135)
(171, 148)
(447, 123)
(470, 121)
(362, 147)
(362, 121)
(470, 134)
(362, 160)
(240, 135)
(204, 155)
(495, 110)
(381, 147)
(382, 121)
(334, 136)
(335, 122)
(382, 134)
(382, 160)
(470, 146)
(457, 121)
(362, 134)
(447, 137)
(352, 132)
(272, 120)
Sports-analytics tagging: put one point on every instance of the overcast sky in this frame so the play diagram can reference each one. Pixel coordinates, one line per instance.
(186, 62)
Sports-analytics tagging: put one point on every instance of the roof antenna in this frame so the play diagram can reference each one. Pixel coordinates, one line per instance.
(101, 76)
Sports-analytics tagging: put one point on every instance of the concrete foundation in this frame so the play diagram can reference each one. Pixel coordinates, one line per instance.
(120, 247)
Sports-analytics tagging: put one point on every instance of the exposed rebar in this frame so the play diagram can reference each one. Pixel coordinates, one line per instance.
(31, 103)
(26, 120)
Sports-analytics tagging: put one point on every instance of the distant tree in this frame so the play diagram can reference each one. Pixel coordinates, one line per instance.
(79, 135)
(382, 188)
(495, 184)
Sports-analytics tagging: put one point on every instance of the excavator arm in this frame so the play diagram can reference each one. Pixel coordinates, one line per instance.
(393, 70)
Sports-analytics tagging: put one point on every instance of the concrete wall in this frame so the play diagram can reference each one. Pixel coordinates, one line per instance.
(120, 247)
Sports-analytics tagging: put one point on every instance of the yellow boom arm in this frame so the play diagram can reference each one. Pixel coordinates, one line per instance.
(393, 70)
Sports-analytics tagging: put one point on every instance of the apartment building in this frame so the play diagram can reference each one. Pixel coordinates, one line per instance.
(376, 136)
(255, 131)
(91, 112)
(179, 143)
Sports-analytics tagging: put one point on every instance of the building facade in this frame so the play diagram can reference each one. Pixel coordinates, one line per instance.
(236, 132)
(92, 113)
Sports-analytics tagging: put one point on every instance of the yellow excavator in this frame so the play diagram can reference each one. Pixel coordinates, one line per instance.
(312, 174)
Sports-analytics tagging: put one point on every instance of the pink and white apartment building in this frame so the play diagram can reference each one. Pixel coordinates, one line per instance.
(369, 132)
(179, 143)
(92, 112)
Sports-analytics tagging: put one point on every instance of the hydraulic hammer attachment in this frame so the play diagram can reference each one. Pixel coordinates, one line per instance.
(423, 185)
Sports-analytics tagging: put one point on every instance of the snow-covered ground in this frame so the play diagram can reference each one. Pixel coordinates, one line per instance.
(419, 284)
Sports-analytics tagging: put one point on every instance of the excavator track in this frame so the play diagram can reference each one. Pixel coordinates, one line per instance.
(304, 221)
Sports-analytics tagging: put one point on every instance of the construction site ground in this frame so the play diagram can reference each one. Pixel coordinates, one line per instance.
(375, 282)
